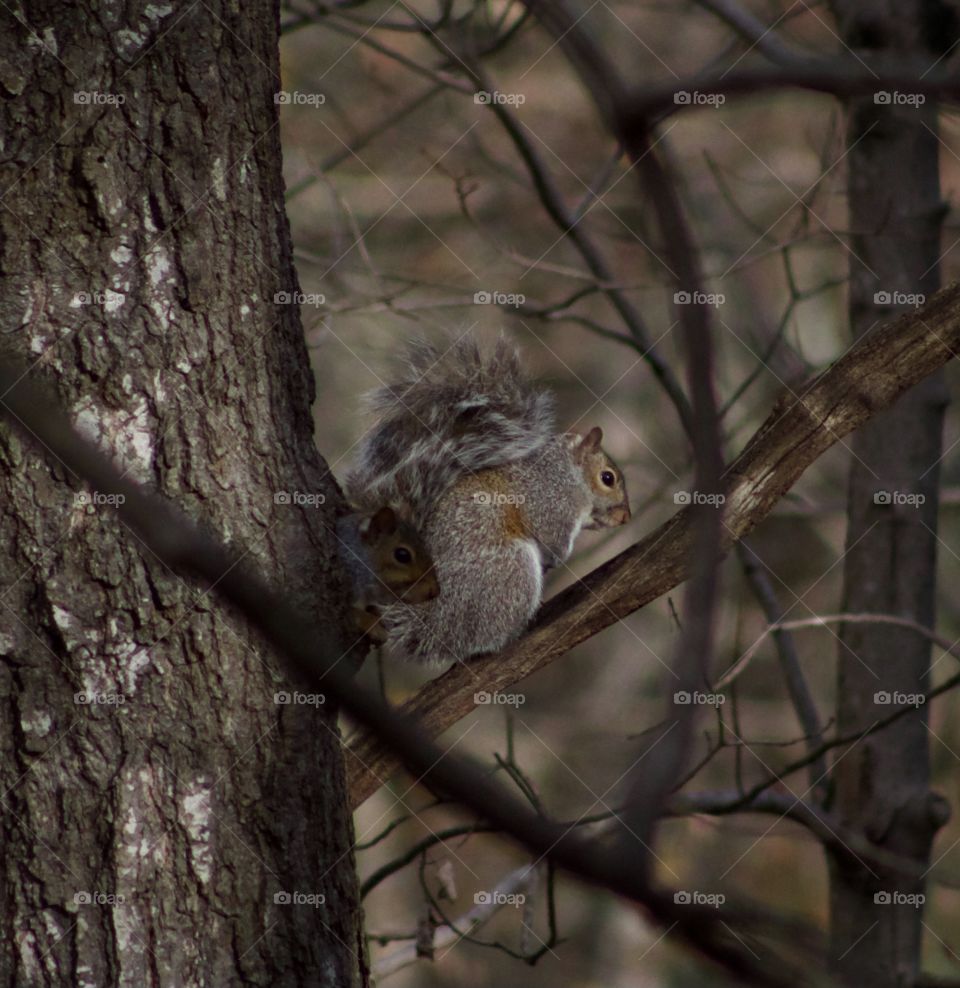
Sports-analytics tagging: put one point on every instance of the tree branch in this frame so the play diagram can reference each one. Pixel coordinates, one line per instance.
(839, 77)
(869, 377)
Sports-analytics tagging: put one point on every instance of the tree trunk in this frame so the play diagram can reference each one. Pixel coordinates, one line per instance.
(158, 806)
(882, 782)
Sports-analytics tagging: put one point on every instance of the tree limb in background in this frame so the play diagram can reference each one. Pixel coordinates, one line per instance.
(868, 378)
(838, 77)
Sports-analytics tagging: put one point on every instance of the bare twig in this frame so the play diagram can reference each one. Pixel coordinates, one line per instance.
(821, 621)
(446, 934)
(797, 686)
(759, 35)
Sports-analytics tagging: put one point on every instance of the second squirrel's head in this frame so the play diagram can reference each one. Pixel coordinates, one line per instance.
(610, 506)
(401, 561)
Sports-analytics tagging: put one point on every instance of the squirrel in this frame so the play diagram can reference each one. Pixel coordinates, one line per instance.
(386, 561)
(468, 446)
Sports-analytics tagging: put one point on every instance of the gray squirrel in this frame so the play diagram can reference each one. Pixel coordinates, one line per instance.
(467, 445)
(386, 561)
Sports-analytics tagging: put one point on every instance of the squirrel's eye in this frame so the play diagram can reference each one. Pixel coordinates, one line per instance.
(402, 555)
(607, 478)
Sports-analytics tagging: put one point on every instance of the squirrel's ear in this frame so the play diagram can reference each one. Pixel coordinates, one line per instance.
(384, 522)
(403, 512)
(592, 440)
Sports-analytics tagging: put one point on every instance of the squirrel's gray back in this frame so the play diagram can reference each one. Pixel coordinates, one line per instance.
(454, 409)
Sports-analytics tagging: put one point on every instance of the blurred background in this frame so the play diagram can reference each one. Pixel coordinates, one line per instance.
(414, 213)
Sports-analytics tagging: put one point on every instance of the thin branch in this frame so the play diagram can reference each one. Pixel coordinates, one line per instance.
(840, 77)
(820, 621)
(447, 934)
(759, 35)
(776, 777)
(797, 686)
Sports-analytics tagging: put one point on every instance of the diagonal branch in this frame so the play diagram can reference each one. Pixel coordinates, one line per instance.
(868, 378)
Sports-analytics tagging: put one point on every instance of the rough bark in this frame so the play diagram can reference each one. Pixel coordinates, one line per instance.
(868, 378)
(142, 241)
(882, 783)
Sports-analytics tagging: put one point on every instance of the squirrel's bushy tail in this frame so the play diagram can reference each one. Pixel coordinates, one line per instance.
(455, 409)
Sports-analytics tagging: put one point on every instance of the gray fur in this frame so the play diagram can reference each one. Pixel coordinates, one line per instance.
(468, 444)
(491, 587)
(455, 409)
